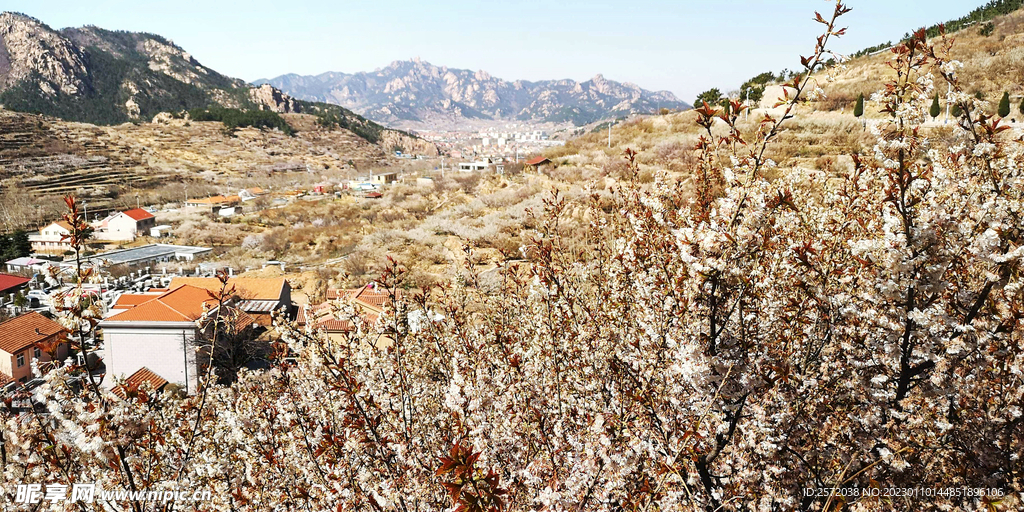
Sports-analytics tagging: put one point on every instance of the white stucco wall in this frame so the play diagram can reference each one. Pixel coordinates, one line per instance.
(157, 346)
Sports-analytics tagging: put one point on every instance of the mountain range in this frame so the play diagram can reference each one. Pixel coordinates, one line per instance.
(418, 94)
(100, 76)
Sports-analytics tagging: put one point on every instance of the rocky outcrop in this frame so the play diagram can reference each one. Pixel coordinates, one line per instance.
(271, 98)
(391, 140)
(30, 50)
(416, 94)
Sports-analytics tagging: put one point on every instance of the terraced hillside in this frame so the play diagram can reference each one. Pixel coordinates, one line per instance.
(48, 158)
(42, 158)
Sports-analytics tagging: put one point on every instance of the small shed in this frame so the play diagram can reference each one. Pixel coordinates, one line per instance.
(537, 162)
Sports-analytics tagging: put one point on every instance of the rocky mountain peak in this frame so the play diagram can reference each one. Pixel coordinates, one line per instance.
(417, 94)
(31, 50)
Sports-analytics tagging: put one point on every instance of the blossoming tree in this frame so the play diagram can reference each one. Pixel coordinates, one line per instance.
(732, 342)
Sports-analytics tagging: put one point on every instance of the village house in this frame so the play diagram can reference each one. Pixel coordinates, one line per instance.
(259, 297)
(51, 238)
(27, 264)
(162, 335)
(214, 203)
(537, 163)
(124, 226)
(251, 194)
(27, 337)
(385, 178)
(10, 284)
(367, 303)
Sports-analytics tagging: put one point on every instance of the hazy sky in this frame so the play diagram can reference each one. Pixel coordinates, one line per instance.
(682, 46)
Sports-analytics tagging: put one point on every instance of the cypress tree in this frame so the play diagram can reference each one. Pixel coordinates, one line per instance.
(956, 110)
(935, 110)
(1004, 105)
(1021, 107)
(858, 110)
(20, 246)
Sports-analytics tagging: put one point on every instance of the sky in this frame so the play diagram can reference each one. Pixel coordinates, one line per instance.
(678, 45)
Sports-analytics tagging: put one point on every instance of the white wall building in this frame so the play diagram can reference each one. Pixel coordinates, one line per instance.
(159, 333)
(50, 238)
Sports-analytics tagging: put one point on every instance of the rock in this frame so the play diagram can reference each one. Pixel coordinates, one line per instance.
(391, 140)
(30, 48)
(270, 98)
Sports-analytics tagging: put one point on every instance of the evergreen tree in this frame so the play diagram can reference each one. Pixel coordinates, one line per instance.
(712, 96)
(935, 110)
(956, 110)
(858, 110)
(20, 246)
(1021, 107)
(1004, 105)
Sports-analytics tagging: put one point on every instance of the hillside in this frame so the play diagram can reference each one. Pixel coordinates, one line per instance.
(42, 158)
(416, 93)
(104, 77)
(992, 53)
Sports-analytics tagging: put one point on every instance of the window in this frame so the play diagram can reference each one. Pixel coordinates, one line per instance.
(21, 360)
(36, 353)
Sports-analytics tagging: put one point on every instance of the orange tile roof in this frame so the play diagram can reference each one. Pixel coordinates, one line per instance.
(62, 223)
(334, 325)
(215, 200)
(5, 379)
(536, 161)
(182, 304)
(22, 332)
(128, 300)
(138, 214)
(369, 296)
(135, 381)
(251, 288)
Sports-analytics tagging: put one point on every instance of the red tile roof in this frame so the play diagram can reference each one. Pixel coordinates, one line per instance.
(5, 379)
(138, 214)
(9, 282)
(22, 332)
(537, 161)
(135, 381)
